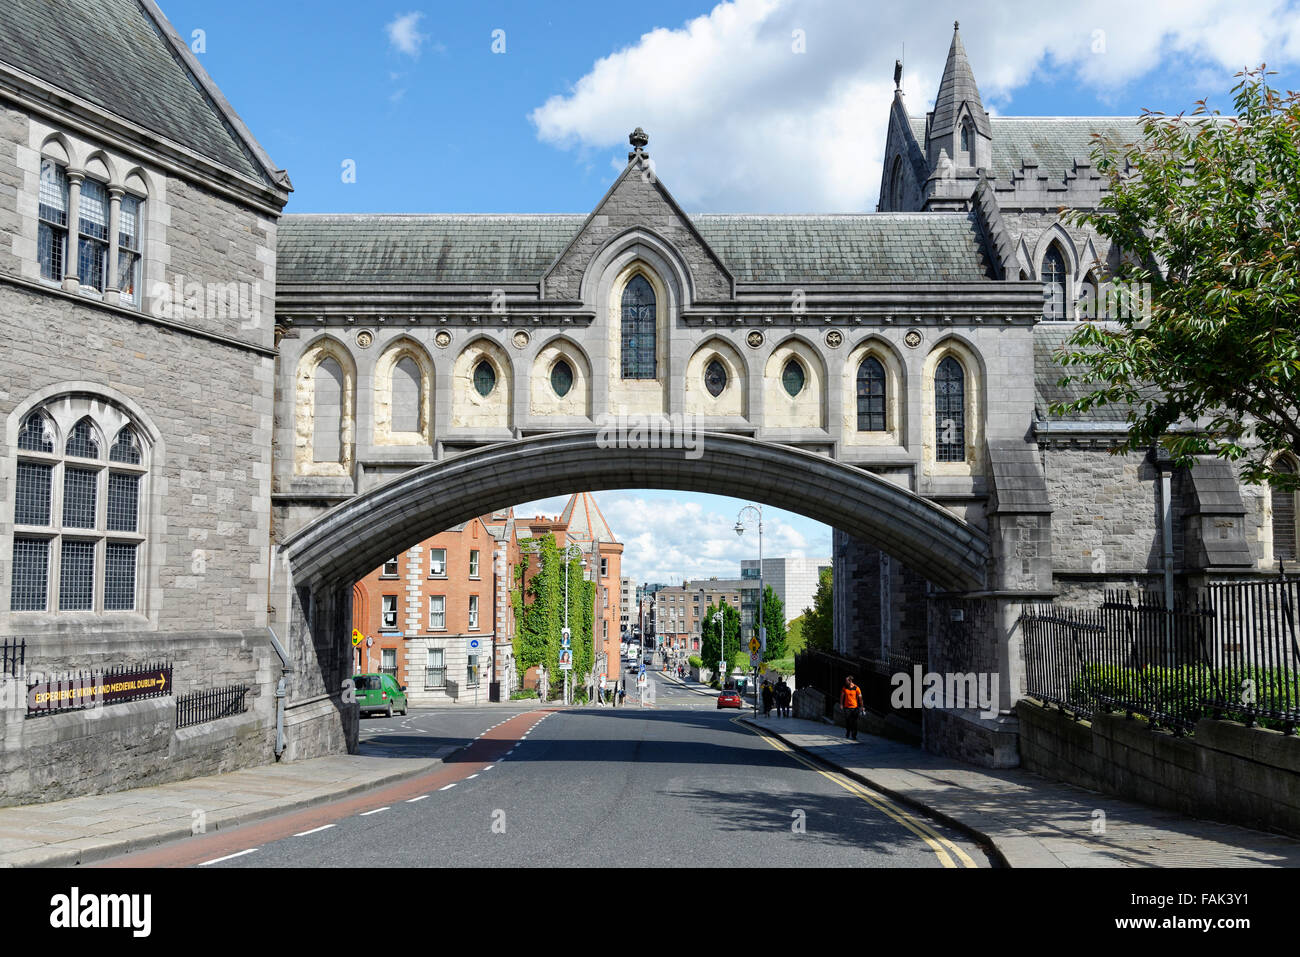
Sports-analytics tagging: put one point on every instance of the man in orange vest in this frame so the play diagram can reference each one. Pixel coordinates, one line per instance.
(851, 702)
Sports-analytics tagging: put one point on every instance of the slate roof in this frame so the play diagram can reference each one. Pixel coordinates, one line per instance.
(1053, 142)
(1048, 338)
(465, 248)
(112, 53)
(1018, 478)
(584, 521)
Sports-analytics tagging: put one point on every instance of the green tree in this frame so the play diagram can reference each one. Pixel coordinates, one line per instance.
(774, 619)
(794, 641)
(1207, 213)
(539, 614)
(709, 649)
(818, 621)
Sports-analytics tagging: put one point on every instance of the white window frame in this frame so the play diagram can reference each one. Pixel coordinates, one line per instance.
(438, 569)
(473, 563)
(385, 612)
(473, 613)
(385, 573)
(433, 624)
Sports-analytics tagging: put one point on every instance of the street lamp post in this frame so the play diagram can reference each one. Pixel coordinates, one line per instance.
(762, 628)
(568, 675)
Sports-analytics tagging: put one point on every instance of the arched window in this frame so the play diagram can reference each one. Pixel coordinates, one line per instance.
(1284, 516)
(561, 378)
(950, 411)
(793, 377)
(638, 329)
(1054, 284)
(485, 378)
(715, 377)
(896, 185)
(871, 395)
(77, 521)
(967, 143)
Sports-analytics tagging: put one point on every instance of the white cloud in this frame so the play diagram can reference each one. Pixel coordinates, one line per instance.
(404, 35)
(740, 122)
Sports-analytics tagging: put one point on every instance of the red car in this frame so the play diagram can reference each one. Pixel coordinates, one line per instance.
(730, 699)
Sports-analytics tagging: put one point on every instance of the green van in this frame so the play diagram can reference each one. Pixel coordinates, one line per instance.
(379, 692)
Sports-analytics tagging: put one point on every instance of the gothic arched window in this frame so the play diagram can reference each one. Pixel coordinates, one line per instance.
(77, 517)
(950, 411)
(896, 185)
(1054, 283)
(638, 329)
(871, 395)
(793, 377)
(1284, 516)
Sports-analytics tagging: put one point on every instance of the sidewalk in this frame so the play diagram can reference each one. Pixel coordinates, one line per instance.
(98, 826)
(1029, 820)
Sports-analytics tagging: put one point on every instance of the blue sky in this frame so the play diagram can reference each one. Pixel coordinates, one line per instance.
(751, 106)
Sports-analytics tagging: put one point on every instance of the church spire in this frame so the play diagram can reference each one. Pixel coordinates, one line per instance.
(957, 87)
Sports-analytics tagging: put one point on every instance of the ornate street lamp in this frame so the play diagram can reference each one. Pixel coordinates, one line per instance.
(762, 628)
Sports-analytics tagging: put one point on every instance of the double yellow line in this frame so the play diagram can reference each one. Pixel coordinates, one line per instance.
(937, 842)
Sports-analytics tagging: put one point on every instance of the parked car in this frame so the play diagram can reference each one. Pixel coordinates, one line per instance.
(379, 692)
(730, 699)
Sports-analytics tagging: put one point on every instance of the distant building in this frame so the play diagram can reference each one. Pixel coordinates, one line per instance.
(793, 580)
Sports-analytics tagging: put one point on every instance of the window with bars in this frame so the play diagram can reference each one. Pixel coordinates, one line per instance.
(388, 661)
(638, 329)
(92, 245)
(52, 233)
(77, 516)
(871, 395)
(128, 250)
(435, 669)
(471, 672)
(90, 228)
(1054, 284)
(950, 411)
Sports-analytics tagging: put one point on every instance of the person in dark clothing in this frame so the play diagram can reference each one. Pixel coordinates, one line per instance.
(851, 702)
(782, 699)
(767, 699)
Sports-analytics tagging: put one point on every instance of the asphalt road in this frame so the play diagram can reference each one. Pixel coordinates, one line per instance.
(680, 784)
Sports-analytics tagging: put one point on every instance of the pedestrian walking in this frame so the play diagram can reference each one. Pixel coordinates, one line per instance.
(782, 699)
(601, 699)
(767, 699)
(851, 702)
(622, 690)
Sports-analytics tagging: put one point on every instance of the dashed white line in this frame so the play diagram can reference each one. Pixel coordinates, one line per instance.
(472, 776)
(218, 860)
(449, 786)
(314, 830)
(375, 811)
(489, 767)
(412, 800)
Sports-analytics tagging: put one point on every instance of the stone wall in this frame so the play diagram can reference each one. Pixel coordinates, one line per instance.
(1224, 771)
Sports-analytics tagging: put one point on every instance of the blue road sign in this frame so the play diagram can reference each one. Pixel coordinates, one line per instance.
(474, 643)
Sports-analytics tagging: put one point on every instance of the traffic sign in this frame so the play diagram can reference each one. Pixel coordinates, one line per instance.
(356, 638)
(754, 645)
(754, 658)
(474, 643)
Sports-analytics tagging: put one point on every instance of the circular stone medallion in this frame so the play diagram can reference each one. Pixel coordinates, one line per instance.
(913, 338)
(442, 339)
(365, 338)
(755, 339)
(834, 338)
(520, 339)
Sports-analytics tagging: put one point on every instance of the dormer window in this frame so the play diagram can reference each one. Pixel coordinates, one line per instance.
(967, 153)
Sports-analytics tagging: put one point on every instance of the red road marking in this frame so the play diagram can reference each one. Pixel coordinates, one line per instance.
(188, 852)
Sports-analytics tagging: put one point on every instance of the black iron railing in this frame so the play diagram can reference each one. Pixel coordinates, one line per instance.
(1229, 651)
(826, 672)
(200, 707)
(13, 656)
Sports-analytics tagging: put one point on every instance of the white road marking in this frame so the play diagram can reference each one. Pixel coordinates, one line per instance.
(489, 767)
(448, 787)
(375, 811)
(314, 830)
(472, 777)
(218, 860)
(413, 800)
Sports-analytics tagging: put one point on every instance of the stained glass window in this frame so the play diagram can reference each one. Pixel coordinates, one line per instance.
(638, 329)
(871, 395)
